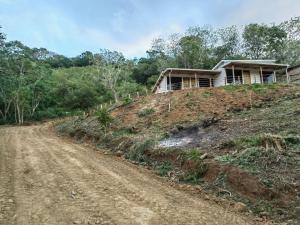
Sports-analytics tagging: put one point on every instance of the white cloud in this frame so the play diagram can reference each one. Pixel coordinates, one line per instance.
(118, 21)
(266, 11)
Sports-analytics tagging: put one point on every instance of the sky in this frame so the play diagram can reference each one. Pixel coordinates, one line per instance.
(129, 26)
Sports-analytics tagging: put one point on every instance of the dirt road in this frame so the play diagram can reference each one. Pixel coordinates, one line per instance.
(46, 180)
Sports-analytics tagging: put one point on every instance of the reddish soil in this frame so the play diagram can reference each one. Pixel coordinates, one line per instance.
(189, 105)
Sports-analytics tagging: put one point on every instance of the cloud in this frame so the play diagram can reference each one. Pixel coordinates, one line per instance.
(118, 20)
(128, 26)
(267, 11)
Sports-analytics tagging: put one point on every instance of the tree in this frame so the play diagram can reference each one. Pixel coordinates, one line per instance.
(229, 47)
(292, 45)
(112, 57)
(2, 38)
(145, 68)
(158, 48)
(262, 41)
(84, 59)
(254, 37)
(59, 61)
(110, 76)
(196, 47)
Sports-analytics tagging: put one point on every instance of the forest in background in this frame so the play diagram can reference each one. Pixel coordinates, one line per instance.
(36, 83)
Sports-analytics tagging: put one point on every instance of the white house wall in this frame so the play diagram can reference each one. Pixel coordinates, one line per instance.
(220, 80)
(162, 87)
(255, 76)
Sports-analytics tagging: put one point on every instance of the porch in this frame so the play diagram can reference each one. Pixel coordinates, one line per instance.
(245, 73)
(180, 79)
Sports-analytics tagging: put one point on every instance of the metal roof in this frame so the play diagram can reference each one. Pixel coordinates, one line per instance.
(256, 64)
(250, 61)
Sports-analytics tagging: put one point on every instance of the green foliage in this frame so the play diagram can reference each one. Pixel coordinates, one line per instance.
(146, 112)
(193, 154)
(292, 142)
(196, 174)
(206, 94)
(164, 168)
(262, 41)
(104, 117)
(138, 151)
(127, 100)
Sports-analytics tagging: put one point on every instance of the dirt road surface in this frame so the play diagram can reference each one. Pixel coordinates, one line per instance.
(46, 180)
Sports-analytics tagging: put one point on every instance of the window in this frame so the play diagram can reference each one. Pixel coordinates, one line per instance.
(238, 77)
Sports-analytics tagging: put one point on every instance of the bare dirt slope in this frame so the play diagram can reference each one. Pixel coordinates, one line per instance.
(48, 180)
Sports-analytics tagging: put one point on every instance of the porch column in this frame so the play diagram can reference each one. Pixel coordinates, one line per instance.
(233, 74)
(274, 76)
(166, 83)
(182, 84)
(190, 82)
(196, 85)
(210, 82)
(287, 75)
(261, 76)
(170, 83)
(243, 79)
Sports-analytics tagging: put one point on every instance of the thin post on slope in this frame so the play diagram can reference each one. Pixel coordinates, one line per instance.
(261, 76)
(287, 75)
(170, 83)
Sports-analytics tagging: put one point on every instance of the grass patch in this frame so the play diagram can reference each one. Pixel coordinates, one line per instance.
(146, 112)
(257, 88)
(193, 154)
(164, 168)
(138, 151)
(195, 174)
(206, 94)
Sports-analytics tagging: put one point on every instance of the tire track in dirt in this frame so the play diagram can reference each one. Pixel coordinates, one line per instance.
(7, 178)
(58, 182)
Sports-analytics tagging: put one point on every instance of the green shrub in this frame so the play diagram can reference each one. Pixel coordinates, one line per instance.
(127, 100)
(207, 94)
(138, 150)
(164, 168)
(193, 154)
(104, 117)
(146, 112)
(195, 175)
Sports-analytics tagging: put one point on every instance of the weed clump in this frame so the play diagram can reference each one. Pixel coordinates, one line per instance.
(103, 116)
(164, 168)
(146, 112)
(138, 151)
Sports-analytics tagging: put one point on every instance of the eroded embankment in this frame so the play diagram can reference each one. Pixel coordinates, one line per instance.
(229, 148)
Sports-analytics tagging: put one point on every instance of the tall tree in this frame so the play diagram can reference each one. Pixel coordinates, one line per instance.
(110, 76)
(292, 45)
(262, 41)
(229, 47)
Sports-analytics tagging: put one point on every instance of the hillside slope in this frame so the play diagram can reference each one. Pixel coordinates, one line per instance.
(241, 143)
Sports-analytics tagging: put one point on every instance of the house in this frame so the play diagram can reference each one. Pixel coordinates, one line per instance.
(226, 72)
(294, 73)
